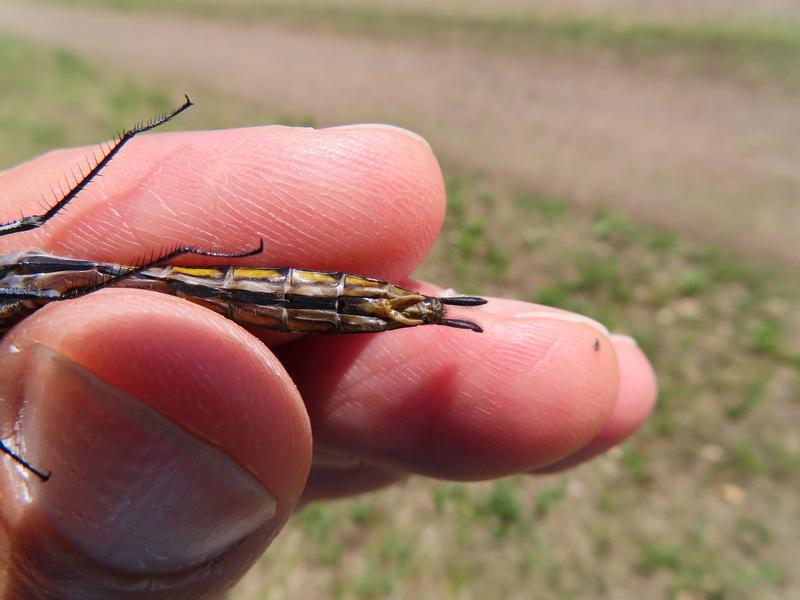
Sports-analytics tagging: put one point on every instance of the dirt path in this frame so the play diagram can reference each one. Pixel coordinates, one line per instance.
(708, 157)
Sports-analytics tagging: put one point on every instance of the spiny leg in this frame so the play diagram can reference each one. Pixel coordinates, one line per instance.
(122, 272)
(117, 273)
(34, 221)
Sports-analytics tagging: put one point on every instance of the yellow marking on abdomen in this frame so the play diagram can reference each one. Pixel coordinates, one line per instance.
(361, 282)
(250, 273)
(300, 277)
(206, 272)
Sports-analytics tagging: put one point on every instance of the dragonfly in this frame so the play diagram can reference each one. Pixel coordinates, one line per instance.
(286, 299)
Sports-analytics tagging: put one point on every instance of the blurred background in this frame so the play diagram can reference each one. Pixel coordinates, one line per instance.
(633, 160)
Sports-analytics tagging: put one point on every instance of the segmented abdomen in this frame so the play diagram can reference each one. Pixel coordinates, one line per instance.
(296, 300)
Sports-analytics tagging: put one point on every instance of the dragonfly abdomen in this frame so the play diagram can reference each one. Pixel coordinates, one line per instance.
(296, 300)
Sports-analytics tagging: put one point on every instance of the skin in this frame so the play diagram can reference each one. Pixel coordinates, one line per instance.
(85, 383)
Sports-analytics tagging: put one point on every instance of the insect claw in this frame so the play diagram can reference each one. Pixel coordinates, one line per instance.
(463, 300)
(462, 324)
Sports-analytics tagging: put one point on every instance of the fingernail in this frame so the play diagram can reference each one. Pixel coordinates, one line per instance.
(130, 488)
(414, 136)
(558, 315)
(624, 339)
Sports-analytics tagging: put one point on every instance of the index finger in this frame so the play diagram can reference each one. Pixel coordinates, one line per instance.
(367, 199)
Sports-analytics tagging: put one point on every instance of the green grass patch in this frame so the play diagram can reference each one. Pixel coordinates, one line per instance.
(751, 396)
(656, 557)
(693, 282)
(767, 336)
(549, 497)
(322, 526)
(504, 507)
(544, 207)
(53, 98)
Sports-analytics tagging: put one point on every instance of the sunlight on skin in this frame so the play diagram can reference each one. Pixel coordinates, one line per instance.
(540, 387)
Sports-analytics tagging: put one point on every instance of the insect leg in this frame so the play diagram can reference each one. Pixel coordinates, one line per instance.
(34, 221)
(25, 464)
(121, 272)
(116, 273)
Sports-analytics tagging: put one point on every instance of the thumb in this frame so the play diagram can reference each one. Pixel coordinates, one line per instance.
(177, 443)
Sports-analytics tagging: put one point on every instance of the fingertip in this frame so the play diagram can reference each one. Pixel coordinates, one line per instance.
(456, 404)
(638, 390)
(178, 447)
(561, 377)
(392, 130)
(189, 365)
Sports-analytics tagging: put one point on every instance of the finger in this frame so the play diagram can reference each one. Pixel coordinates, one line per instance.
(527, 392)
(177, 443)
(637, 398)
(363, 199)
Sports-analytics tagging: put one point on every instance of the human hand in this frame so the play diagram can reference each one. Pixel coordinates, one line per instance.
(178, 442)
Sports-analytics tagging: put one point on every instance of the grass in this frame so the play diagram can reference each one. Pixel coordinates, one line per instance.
(92, 104)
(736, 46)
(656, 516)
